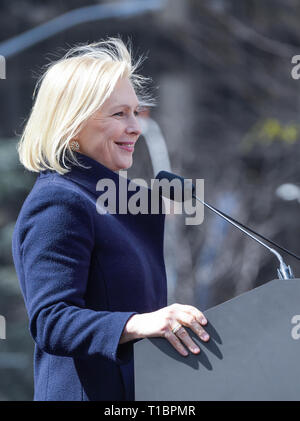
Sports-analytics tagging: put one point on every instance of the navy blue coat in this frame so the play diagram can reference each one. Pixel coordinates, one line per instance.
(83, 275)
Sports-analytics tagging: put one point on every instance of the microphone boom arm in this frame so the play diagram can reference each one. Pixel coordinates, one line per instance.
(284, 271)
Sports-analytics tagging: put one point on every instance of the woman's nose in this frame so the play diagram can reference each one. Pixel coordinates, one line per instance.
(134, 126)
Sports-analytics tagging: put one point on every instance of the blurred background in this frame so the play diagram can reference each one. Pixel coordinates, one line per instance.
(227, 111)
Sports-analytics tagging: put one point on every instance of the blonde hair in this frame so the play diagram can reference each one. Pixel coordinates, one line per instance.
(69, 92)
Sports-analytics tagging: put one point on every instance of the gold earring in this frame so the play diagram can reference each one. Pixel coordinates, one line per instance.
(74, 145)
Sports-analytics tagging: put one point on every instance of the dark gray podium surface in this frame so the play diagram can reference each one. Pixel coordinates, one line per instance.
(251, 355)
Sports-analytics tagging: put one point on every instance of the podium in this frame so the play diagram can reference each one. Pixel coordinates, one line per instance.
(253, 353)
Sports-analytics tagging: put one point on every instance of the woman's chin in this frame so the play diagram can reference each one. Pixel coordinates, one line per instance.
(124, 165)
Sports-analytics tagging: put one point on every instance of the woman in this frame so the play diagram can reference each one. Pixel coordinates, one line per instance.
(93, 283)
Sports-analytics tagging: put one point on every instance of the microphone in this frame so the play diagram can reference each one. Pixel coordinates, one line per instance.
(188, 191)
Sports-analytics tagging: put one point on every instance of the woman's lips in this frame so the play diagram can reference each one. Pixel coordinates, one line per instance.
(129, 147)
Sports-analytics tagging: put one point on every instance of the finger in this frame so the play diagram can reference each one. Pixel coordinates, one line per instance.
(198, 329)
(187, 340)
(199, 316)
(190, 321)
(176, 343)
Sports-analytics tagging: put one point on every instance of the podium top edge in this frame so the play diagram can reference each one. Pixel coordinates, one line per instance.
(264, 285)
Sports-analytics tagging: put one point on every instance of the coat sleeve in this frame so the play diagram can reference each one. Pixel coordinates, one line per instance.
(56, 241)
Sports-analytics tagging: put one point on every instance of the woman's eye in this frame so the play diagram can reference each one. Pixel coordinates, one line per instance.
(122, 113)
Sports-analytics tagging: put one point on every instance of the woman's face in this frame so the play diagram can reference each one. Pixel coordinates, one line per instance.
(110, 134)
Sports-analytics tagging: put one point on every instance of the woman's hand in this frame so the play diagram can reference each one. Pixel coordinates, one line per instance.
(169, 323)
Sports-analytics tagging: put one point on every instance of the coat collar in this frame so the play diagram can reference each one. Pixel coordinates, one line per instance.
(92, 173)
(89, 176)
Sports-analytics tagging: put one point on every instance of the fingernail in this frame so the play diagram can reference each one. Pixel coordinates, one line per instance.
(203, 320)
(205, 336)
(195, 349)
(185, 353)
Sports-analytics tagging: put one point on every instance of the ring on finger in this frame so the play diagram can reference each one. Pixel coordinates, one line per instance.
(176, 328)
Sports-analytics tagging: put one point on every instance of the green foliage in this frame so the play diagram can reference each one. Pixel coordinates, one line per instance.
(271, 130)
(14, 180)
(16, 366)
